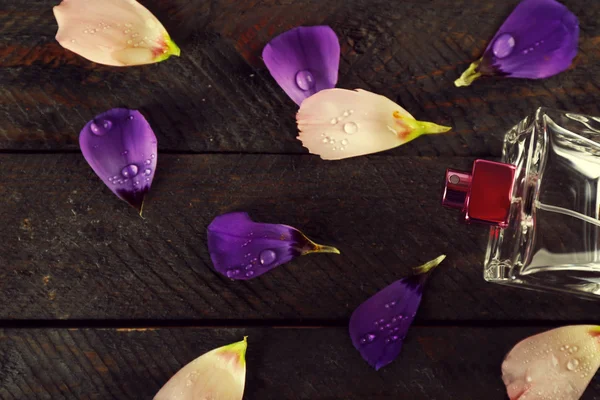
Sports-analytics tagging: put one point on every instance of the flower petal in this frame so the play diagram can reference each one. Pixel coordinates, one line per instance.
(558, 364)
(219, 374)
(340, 123)
(304, 60)
(121, 148)
(113, 32)
(539, 39)
(380, 324)
(243, 249)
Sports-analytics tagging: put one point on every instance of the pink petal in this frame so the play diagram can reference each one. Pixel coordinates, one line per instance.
(112, 32)
(339, 123)
(558, 364)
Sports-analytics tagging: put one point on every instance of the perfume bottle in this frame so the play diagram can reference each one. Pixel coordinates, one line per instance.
(542, 201)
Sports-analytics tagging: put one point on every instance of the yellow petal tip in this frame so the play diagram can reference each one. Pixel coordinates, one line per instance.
(469, 76)
(428, 266)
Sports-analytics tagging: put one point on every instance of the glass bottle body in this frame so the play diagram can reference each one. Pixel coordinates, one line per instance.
(552, 240)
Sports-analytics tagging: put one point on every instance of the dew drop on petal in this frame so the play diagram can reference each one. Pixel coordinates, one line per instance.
(333, 121)
(370, 337)
(101, 127)
(267, 257)
(249, 273)
(504, 45)
(572, 364)
(350, 128)
(305, 80)
(147, 171)
(129, 171)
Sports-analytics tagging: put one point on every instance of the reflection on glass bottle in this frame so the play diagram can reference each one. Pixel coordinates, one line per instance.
(549, 237)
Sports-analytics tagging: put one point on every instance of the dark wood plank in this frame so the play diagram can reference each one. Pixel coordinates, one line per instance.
(219, 97)
(72, 250)
(436, 363)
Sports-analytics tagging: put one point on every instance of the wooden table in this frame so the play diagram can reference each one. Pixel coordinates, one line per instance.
(98, 303)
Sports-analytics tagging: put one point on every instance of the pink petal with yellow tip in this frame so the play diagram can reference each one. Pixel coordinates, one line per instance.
(558, 364)
(340, 123)
(219, 374)
(113, 32)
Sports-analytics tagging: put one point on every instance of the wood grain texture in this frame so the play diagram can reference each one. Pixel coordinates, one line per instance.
(72, 250)
(218, 97)
(294, 364)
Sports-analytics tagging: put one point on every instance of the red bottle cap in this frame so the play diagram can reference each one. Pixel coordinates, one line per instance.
(484, 195)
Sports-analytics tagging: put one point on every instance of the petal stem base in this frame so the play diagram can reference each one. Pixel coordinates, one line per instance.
(428, 266)
(469, 76)
(318, 248)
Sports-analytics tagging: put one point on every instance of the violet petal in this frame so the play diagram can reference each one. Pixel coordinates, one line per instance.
(304, 60)
(538, 40)
(379, 325)
(121, 148)
(242, 249)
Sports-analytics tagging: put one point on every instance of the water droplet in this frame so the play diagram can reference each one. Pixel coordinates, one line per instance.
(346, 113)
(125, 153)
(101, 127)
(525, 51)
(351, 111)
(394, 338)
(135, 35)
(350, 128)
(249, 266)
(567, 346)
(128, 25)
(325, 140)
(554, 360)
(334, 148)
(147, 171)
(363, 341)
(249, 273)
(344, 142)
(188, 383)
(575, 348)
(126, 31)
(531, 49)
(135, 182)
(147, 179)
(504, 45)
(152, 156)
(130, 118)
(267, 257)
(148, 162)
(331, 141)
(572, 364)
(73, 40)
(129, 41)
(370, 337)
(130, 171)
(388, 325)
(376, 323)
(305, 80)
(381, 328)
(323, 134)
(333, 121)
(562, 348)
(387, 340)
(529, 379)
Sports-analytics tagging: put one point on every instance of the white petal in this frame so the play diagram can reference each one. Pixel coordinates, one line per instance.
(339, 123)
(557, 364)
(219, 374)
(100, 29)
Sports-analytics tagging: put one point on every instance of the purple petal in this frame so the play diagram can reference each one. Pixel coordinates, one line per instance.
(539, 39)
(243, 249)
(304, 60)
(121, 148)
(379, 325)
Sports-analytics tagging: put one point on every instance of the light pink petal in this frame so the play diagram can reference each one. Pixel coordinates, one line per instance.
(219, 374)
(112, 32)
(558, 364)
(339, 123)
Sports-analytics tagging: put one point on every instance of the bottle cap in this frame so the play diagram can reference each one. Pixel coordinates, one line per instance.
(484, 195)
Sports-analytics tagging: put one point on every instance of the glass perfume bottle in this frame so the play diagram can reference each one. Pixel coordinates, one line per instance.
(542, 202)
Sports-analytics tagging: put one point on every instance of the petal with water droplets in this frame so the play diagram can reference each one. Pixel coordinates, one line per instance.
(242, 249)
(340, 123)
(557, 364)
(539, 39)
(304, 60)
(121, 148)
(113, 32)
(219, 374)
(379, 325)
